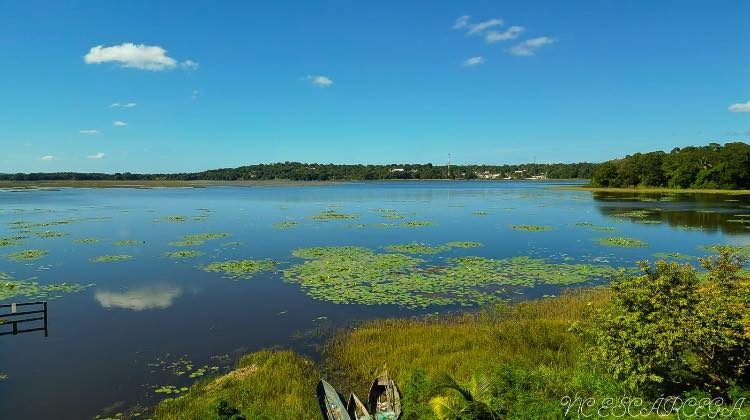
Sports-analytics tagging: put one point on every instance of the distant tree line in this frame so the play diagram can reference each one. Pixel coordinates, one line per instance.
(325, 172)
(713, 167)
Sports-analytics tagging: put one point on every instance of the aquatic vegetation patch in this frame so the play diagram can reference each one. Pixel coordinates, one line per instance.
(327, 215)
(128, 243)
(357, 275)
(673, 256)
(111, 258)
(50, 234)
(86, 241)
(480, 213)
(532, 228)
(416, 223)
(622, 242)
(11, 288)
(183, 254)
(285, 225)
(11, 241)
(636, 214)
(417, 248)
(740, 249)
(393, 216)
(240, 268)
(198, 239)
(28, 255)
(464, 244)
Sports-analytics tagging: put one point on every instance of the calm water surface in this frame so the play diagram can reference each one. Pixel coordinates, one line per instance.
(111, 345)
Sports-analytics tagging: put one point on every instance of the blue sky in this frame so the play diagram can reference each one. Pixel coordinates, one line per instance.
(222, 84)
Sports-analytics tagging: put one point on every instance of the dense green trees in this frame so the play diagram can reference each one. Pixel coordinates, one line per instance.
(712, 167)
(325, 172)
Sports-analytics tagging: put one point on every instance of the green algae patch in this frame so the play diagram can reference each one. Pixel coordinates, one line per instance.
(417, 248)
(11, 288)
(425, 249)
(183, 254)
(11, 241)
(111, 258)
(634, 214)
(416, 223)
(86, 241)
(622, 242)
(673, 256)
(198, 239)
(240, 268)
(480, 213)
(327, 215)
(532, 228)
(128, 243)
(357, 275)
(50, 234)
(28, 255)
(285, 225)
(393, 216)
(464, 244)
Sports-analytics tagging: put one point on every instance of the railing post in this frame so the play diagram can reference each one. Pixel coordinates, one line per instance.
(45, 318)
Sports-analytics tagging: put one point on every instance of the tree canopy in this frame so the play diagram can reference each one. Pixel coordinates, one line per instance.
(323, 172)
(711, 167)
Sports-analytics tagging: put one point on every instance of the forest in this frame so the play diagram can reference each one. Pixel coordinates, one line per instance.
(708, 167)
(297, 171)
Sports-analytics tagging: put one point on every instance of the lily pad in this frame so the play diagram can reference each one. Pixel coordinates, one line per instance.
(111, 258)
(28, 255)
(240, 268)
(622, 242)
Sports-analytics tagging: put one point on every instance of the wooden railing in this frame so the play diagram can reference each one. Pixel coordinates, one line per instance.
(11, 316)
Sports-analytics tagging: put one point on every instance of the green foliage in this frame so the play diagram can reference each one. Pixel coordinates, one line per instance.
(265, 385)
(240, 268)
(362, 276)
(670, 330)
(324, 172)
(621, 242)
(708, 167)
(11, 288)
(28, 255)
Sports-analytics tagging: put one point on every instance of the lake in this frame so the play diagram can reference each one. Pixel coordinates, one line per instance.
(141, 322)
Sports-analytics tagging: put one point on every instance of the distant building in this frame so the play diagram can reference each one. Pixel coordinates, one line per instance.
(397, 170)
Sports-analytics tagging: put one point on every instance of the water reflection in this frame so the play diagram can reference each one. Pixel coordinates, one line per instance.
(729, 214)
(149, 297)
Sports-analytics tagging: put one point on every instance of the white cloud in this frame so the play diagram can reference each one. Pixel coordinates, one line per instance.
(125, 105)
(138, 56)
(476, 28)
(99, 155)
(473, 61)
(119, 123)
(320, 81)
(495, 36)
(529, 47)
(740, 107)
(47, 157)
(149, 297)
(189, 65)
(88, 132)
(461, 22)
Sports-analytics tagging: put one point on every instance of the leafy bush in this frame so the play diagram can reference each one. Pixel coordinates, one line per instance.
(671, 330)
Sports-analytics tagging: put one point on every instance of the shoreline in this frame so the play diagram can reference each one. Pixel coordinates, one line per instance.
(147, 184)
(650, 190)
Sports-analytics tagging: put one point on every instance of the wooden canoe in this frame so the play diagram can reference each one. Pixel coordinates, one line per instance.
(330, 402)
(357, 410)
(384, 398)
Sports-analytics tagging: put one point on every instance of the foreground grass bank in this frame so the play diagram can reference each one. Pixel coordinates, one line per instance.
(646, 336)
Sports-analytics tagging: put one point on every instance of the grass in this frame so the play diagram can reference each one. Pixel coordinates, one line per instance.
(651, 190)
(530, 340)
(265, 385)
